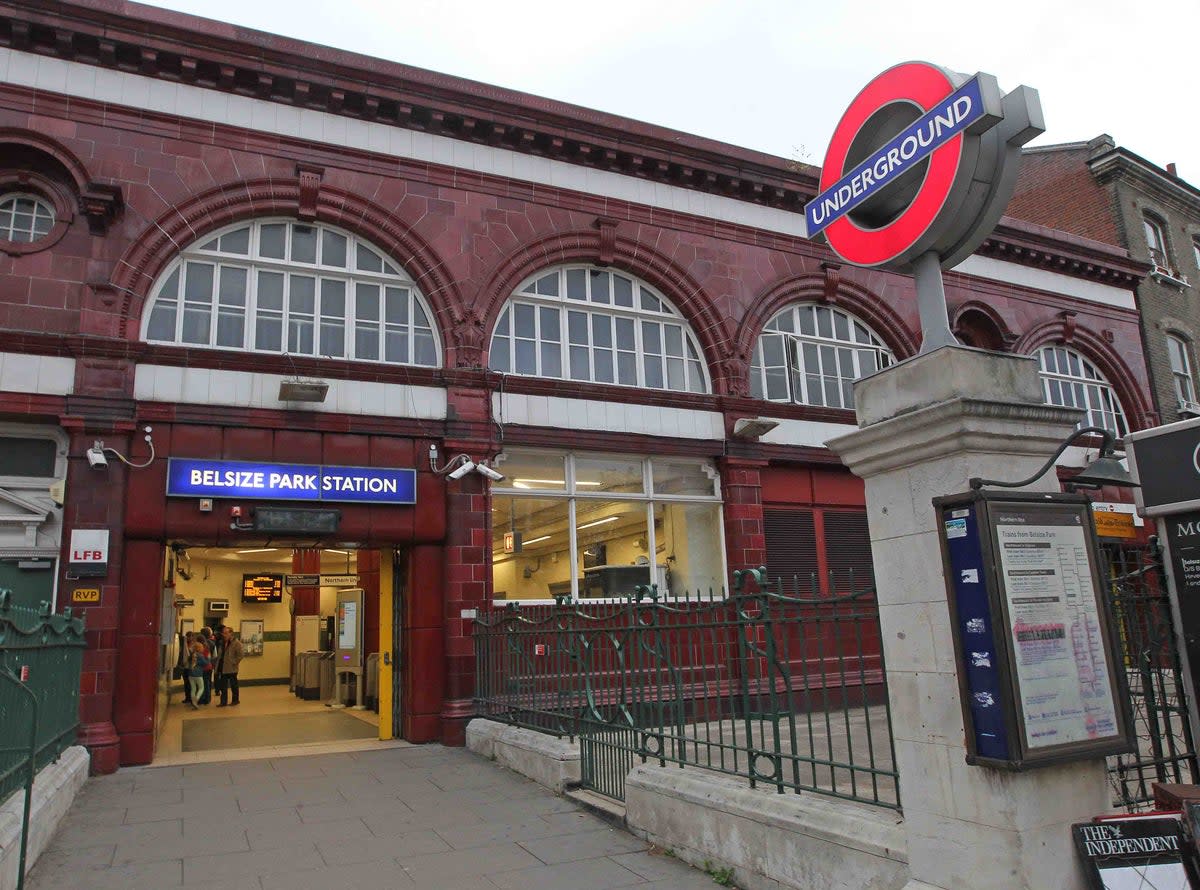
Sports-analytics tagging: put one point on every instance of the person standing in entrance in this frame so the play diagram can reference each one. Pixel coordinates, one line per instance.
(196, 667)
(227, 665)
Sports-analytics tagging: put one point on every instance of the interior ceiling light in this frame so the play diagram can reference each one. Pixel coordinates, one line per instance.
(535, 540)
(264, 550)
(597, 522)
(523, 482)
(343, 552)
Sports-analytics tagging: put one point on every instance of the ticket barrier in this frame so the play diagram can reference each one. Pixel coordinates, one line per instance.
(310, 676)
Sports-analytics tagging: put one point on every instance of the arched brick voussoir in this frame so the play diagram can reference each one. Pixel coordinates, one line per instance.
(860, 302)
(188, 221)
(713, 332)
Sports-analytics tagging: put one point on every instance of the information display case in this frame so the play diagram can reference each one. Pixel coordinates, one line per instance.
(1040, 677)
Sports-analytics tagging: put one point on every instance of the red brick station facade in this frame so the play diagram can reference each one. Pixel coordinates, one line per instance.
(500, 275)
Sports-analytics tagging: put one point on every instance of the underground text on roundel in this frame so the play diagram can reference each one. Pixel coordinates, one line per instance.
(294, 482)
(908, 148)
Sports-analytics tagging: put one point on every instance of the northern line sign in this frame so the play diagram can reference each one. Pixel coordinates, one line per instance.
(193, 478)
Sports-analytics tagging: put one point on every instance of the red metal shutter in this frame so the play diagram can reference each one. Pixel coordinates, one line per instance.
(791, 549)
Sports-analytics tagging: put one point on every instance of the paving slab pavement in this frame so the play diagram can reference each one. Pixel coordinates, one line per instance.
(425, 818)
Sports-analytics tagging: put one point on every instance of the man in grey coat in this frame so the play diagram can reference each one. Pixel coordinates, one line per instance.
(227, 666)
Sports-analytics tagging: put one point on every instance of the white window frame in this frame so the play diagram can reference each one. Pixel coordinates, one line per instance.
(574, 494)
(1181, 370)
(42, 210)
(502, 351)
(254, 263)
(787, 325)
(1087, 385)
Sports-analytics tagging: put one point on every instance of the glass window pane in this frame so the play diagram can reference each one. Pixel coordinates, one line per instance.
(626, 333)
(368, 260)
(600, 292)
(395, 345)
(551, 359)
(808, 325)
(841, 326)
(622, 291)
(603, 359)
(577, 327)
(333, 298)
(270, 291)
(498, 357)
(530, 470)
(525, 317)
(396, 305)
(696, 377)
(649, 302)
(530, 547)
(675, 378)
(304, 244)
(162, 321)
(231, 329)
(170, 287)
(602, 331)
(426, 349)
(685, 477)
(366, 302)
(547, 285)
(777, 388)
(673, 334)
(652, 368)
(232, 288)
(502, 324)
(198, 283)
(548, 319)
(690, 556)
(526, 362)
(333, 338)
(197, 322)
(272, 238)
(333, 249)
(576, 284)
(302, 294)
(237, 241)
(651, 338)
(366, 341)
(613, 544)
(627, 368)
(580, 366)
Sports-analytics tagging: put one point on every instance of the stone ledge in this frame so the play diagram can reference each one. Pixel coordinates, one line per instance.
(804, 841)
(549, 761)
(54, 791)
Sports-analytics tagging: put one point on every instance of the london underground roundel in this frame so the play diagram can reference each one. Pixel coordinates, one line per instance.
(923, 161)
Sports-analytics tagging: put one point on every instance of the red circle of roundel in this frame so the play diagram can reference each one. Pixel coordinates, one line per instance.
(923, 85)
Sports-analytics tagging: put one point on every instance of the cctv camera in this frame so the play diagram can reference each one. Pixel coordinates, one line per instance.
(465, 467)
(489, 472)
(95, 456)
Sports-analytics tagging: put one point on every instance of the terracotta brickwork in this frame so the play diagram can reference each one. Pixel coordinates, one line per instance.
(132, 187)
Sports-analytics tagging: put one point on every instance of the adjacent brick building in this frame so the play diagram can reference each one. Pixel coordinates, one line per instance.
(195, 216)
(1102, 191)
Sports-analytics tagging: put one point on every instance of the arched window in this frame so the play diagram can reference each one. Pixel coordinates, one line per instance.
(600, 326)
(291, 287)
(24, 218)
(1156, 241)
(811, 355)
(1070, 380)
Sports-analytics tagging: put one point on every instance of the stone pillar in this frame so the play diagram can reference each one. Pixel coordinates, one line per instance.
(926, 426)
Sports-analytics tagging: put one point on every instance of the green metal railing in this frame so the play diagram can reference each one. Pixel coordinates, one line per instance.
(40, 659)
(787, 692)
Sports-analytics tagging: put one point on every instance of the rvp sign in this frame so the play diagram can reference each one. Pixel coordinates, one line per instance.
(88, 557)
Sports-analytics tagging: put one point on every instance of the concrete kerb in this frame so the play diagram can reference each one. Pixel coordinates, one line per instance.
(54, 791)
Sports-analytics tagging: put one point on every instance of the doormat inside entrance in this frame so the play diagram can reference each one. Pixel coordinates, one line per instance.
(216, 733)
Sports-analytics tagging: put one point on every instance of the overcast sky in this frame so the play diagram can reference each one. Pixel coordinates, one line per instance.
(776, 76)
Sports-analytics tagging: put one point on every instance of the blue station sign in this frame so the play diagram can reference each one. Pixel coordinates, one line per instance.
(193, 478)
(942, 123)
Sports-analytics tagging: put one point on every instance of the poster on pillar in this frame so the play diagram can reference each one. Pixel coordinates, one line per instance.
(1040, 677)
